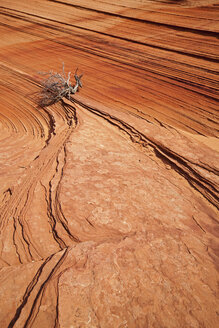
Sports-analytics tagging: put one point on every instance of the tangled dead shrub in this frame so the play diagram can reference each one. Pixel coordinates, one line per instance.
(57, 86)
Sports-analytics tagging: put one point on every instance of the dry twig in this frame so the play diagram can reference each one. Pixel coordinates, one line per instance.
(57, 86)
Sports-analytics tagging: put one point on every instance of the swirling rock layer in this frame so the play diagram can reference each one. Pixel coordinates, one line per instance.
(109, 200)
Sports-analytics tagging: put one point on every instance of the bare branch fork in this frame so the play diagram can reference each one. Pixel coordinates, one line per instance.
(58, 86)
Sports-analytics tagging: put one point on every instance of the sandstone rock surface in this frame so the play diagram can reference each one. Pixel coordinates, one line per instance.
(109, 200)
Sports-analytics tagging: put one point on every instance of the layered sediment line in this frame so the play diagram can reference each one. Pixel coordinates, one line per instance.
(109, 199)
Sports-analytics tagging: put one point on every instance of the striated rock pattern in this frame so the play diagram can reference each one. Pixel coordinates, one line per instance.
(109, 200)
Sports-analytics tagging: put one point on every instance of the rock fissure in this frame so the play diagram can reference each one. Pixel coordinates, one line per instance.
(178, 163)
(109, 200)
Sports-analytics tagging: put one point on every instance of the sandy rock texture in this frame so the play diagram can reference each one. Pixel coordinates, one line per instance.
(109, 200)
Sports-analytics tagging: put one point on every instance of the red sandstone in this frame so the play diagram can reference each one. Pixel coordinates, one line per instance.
(109, 201)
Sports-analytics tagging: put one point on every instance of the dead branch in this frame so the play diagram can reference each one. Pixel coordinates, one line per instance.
(57, 86)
